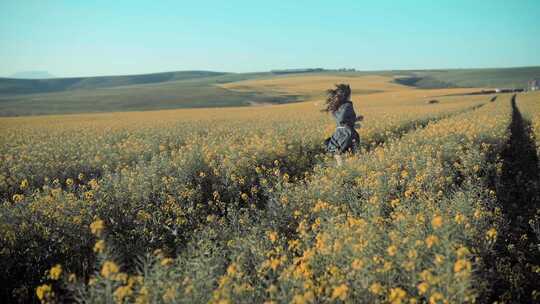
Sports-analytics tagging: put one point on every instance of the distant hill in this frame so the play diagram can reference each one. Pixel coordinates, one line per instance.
(10, 86)
(129, 93)
(486, 78)
(32, 75)
(193, 89)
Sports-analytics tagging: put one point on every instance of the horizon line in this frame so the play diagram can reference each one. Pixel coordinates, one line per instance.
(273, 70)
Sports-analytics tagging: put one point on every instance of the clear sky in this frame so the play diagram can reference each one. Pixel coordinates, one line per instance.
(85, 38)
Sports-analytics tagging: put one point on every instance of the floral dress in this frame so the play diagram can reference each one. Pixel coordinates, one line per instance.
(345, 138)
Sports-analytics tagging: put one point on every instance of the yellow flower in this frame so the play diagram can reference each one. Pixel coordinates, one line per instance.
(491, 234)
(44, 291)
(93, 184)
(340, 292)
(357, 264)
(245, 197)
(69, 182)
(55, 272)
(88, 195)
(24, 184)
(439, 259)
(232, 270)
(409, 193)
(392, 250)
(459, 218)
(397, 295)
(99, 247)
(422, 288)
(273, 236)
(166, 262)
(375, 288)
(274, 263)
(97, 227)
(412, 254)
(109, 268)
(431, 240)
(435, 298)
(394, 203)
(437, 222)
(477, 213)
(121, 293)
(18, 198)
(462, 251)
(462, 266)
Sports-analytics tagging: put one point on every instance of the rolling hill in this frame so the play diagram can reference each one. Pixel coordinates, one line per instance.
(195, 89)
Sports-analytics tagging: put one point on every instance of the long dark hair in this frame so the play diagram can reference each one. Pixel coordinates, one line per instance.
(336, 97)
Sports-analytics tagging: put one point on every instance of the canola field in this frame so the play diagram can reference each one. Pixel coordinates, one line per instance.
(242, 205)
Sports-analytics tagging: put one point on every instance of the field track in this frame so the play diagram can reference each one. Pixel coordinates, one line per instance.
(518, 194)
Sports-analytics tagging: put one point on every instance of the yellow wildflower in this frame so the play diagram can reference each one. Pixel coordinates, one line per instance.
(422, 288)
(18, 198)
(462, 251)
(491, 234)
(24, 184)
(166, 262)
(99, 247)
(376, 288)
(273, 236)
(357, 264)
(245, 197)
(121, 293)
(397, 295)
(55, 272)
(431, 240)
(459, 218)
(435, 298)
(108, 269)
(340, 292)
(392, 250)
(97, 227)
(44, 292)
(437, 222)
(462, 265)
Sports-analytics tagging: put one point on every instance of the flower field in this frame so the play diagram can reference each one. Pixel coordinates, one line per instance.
(242, 205)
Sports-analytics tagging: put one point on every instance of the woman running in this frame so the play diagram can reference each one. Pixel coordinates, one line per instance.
(345, 138)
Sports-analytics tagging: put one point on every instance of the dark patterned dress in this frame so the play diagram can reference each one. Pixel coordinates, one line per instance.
(345, 138)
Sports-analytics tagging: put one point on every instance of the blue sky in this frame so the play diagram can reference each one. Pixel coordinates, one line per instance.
(86, 38)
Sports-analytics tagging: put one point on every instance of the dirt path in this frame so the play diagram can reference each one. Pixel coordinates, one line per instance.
(518, 195)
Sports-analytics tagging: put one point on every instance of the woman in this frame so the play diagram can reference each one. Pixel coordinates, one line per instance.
(345, 138)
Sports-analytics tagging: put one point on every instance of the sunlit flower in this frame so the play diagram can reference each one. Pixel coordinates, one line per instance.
(437, 222)
(44, 291)
(397, 295)
(340, 292)
(376, 288)
(97, 226)
(55, 272)
(108, 269)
